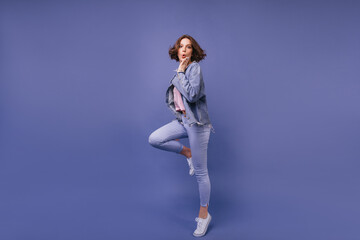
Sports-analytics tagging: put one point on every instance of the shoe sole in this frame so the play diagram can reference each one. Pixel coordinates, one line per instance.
(202, 234)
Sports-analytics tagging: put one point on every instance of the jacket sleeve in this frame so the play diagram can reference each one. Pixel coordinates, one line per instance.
(190, 87)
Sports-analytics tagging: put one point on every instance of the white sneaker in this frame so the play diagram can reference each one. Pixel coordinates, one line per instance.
(191, 170)
(202, 225)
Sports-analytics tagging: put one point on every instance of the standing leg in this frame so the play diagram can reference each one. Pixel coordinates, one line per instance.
(199, 139)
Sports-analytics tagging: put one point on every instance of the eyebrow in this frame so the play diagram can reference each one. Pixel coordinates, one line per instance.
(186, 44)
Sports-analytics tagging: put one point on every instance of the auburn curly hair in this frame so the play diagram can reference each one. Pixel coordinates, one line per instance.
(198, 53)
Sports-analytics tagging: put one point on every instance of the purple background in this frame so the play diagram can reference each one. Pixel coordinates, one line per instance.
(82, 86)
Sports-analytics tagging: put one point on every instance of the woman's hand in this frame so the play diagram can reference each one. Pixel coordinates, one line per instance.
(183, 64)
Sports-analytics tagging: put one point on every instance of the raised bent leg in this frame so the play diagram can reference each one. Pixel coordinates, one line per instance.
(164, 137)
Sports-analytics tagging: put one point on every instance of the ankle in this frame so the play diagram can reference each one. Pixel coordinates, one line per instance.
(186, 152)
(203, 212)
(203, 215)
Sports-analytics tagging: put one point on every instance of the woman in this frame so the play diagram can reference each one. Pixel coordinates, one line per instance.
(187, 100)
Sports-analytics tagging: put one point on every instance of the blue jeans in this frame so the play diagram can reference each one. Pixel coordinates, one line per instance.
(164, 138)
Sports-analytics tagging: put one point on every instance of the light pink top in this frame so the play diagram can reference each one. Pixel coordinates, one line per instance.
(179, 105)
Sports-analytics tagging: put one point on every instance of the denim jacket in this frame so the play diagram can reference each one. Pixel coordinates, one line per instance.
(191, 86)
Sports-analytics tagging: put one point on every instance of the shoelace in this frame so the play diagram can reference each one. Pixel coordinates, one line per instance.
(199, 222)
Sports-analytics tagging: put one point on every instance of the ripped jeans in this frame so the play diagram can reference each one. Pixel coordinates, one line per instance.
(164, 138)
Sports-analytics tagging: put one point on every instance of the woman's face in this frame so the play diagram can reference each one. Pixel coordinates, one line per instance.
(185, 49)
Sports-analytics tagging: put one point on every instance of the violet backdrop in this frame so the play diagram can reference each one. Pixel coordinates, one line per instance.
(82, 85)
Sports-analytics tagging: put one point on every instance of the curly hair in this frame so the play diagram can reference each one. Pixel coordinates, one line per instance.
(198, 53)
